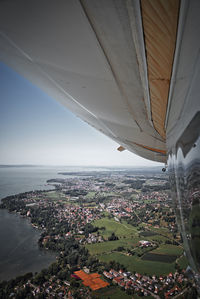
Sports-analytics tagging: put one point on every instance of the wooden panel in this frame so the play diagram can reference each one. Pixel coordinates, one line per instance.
(156, 150)
(160, 19)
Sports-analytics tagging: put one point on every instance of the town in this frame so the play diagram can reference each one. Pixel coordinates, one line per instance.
(118, 227)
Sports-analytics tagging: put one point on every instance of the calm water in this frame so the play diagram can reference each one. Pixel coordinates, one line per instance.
(19, 252)
(14, 180)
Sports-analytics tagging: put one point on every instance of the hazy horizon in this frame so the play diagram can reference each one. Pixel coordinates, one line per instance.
(90, 166)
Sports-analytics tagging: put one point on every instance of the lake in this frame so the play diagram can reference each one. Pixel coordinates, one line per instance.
(19, 252)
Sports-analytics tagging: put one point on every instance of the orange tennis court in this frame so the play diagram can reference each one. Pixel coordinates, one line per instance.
(91, 280)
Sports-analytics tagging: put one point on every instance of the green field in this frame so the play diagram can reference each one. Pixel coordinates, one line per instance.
(150, 200)
(194, 228)
(112, 292)
(106, 247)
(122, 230)
(163, 231)
(138, 297)
(183, 262)
(136, 264)
(90, 195)
(157, 238)
(155, 257)
(127, 234)
(115, 292)
(55, 195)
(169, 250)
(107, 194)
(148, 233)
(161, 261)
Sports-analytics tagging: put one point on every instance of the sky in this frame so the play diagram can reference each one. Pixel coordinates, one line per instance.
(36, 129)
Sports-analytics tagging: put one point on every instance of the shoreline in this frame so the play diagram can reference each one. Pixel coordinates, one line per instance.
(38, 231)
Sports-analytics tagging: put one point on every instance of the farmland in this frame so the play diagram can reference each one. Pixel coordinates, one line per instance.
(164, 258)
(148, 234)
(169, 249)
(114, 293)
(90, 195)
(121, 229)
(164, 253)
(133, 263)
(183, 262)
(106, 247)
(158, 261)
(127, 234)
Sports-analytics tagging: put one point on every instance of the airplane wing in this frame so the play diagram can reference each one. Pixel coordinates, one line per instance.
(118, 65)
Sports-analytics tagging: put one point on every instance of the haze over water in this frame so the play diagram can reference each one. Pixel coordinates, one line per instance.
(15, 180)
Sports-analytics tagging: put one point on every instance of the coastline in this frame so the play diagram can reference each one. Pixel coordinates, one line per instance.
(25, 255)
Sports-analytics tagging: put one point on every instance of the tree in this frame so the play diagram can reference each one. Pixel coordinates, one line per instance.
(113, 237)
(39, 279)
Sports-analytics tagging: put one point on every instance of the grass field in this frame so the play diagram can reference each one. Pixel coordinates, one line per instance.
(54, 195)
(150, 200)
(163, 258)
(148, 234)
(157, 238)
(122, 230)
(127, 234)
(139, 297)
(163, 231)
(136, 264)
(134, 196)
(112, 293)
(183, 262)
(109, 194)
(162, 261)
(195, 232)
(106, 247)
(90, 195)
(169, 250)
